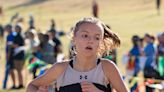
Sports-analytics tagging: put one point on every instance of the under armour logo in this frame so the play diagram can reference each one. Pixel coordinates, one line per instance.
(81, 77)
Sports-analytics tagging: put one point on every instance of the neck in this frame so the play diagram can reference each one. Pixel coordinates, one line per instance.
(85, 63)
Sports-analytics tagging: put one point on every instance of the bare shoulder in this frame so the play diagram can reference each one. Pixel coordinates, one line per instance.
(57, 69)
(113, 75)
(60, 66)
(51, 74)
(109, 68)
(108, 64)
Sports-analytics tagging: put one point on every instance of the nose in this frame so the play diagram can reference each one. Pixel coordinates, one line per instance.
(90, 40)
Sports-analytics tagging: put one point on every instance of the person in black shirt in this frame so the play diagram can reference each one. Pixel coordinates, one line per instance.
(18, 44)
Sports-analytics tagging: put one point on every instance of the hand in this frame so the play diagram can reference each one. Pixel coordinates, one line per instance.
(43, 89)
(89, 87)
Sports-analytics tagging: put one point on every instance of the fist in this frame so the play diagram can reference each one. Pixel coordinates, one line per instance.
(89, 87)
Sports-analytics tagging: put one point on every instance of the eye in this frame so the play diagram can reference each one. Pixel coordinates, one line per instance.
(84, 35)
(97, 38)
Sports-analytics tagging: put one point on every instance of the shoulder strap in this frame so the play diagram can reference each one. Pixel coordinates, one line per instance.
(98, 61)
(71, 63)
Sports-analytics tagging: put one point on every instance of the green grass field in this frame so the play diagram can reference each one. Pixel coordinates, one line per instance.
(126, 17)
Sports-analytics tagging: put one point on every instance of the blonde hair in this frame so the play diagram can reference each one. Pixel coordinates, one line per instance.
(110, 39)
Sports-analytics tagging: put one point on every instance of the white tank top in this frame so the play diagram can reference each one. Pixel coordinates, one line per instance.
(72, 76)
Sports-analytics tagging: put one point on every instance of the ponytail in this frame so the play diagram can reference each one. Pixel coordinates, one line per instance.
(110, 41)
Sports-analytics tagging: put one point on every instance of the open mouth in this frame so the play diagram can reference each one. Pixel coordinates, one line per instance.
(88, 48)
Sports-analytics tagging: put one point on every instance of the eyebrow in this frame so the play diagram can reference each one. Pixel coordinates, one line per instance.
(84, 31)
(97, 34)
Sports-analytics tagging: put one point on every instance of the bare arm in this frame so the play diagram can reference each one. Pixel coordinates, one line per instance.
(51, 75)
(114, 76)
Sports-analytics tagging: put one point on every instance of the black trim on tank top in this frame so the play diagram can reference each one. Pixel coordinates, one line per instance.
(77, 88)
(71, 62)
(98, 61)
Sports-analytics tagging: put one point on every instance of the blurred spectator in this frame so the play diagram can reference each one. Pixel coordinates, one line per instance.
(19, 54)
(53, 25)
(58, 33)
(158, 3)
(31, 22)
(32, 43)
(134, 55)
(9, 57)
(57, 43)
(149, 52)
(47, 50)
(135, 52)
(14, 17)
(161, 44)
(36, 51)
(95, 8)
(160, 54)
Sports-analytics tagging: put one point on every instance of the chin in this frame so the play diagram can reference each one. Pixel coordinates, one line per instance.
(87, 54)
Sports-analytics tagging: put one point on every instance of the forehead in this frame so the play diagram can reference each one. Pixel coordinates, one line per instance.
(91, 27)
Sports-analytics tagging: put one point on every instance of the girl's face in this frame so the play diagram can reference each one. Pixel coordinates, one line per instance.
(88, 38)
